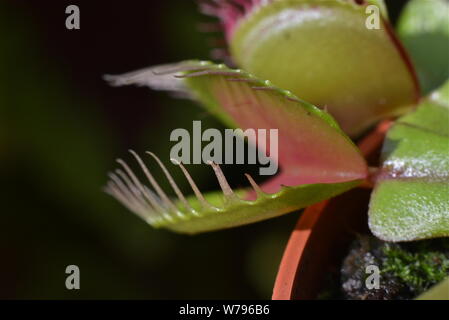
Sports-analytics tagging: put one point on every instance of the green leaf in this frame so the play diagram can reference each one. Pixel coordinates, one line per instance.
(424, 29)
(317, 159)
(411, 197)
(438, 292)
(323, 52)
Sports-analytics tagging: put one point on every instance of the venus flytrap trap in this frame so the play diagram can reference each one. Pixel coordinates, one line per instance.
(310, 50)
(323, 52)
(332, 164)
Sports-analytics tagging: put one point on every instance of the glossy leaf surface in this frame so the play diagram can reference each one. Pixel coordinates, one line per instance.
(323, 52)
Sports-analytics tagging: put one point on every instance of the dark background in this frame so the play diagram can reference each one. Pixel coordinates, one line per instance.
(61, 128)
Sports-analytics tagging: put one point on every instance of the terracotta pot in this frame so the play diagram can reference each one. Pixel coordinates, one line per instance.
(324, 232)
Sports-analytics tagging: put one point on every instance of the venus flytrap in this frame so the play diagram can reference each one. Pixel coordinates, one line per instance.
(331, 165)
(322, 52)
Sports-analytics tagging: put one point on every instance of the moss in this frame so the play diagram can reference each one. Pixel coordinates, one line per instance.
(419, 268)
(407, 269)
(366, 251)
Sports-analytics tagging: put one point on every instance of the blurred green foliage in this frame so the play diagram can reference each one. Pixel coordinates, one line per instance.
(424, 30)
